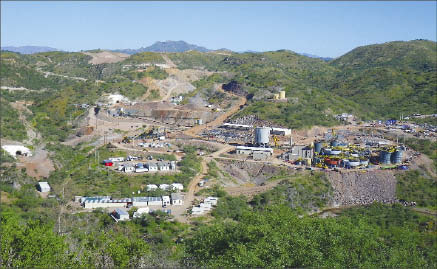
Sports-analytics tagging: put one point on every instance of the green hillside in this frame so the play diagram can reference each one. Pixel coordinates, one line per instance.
(390, 78)
(375, 81)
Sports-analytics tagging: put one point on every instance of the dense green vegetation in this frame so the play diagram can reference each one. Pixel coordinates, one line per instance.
(11, 126)
(390, 78)
(125, 87)
(303, 191)
(427, 120)
(154, 72)
(197, 60)
(424, 146)
(419, 187)
(145, 57)
(277, 237)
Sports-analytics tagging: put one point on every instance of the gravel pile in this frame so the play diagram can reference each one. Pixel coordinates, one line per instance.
(356, 188)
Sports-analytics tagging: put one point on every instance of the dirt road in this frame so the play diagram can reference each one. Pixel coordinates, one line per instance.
(219, 120)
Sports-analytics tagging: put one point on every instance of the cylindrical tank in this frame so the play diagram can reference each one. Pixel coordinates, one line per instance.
(282, 95)
(262, 135)
(396, 157)
(276, 96)
(384, 157)
(334, 143)
(317, 146)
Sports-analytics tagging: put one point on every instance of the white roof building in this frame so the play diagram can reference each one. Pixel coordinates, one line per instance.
(177, 186)
(151, 187)
(165, 200)
(43, 186)
(151, 166)
(141, 211)
(211, 200)
(15, 150)
(164, 187)
(163, 166)
(120, 215)
(176, 199)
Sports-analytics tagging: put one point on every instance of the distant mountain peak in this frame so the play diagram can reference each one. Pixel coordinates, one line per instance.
(166, 46)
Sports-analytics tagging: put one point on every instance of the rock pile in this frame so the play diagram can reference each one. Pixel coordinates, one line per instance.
(356, 188)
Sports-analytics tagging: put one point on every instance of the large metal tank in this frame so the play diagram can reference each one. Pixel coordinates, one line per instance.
(262, 135)
(396, 157)
(384, 157)
(282, 95)
(317, 146)
(334, 143)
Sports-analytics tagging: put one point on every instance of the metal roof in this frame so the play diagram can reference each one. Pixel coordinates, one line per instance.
(121, 211)
(176, 196)
(254, 148)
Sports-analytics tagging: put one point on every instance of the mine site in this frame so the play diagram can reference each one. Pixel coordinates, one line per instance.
(359, 159)
(270, 142)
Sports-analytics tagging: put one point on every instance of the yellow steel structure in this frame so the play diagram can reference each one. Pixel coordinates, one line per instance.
(275, 139)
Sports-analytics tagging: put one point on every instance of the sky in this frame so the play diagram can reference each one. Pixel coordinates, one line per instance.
(328, 29)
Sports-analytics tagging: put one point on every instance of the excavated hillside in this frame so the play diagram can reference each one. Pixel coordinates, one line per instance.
(250, 172)
(106, 57)
(357, 188)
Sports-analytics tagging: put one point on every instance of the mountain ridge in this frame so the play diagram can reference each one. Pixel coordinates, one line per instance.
(29, 49)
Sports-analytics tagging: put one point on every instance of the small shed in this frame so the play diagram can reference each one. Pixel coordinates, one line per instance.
(151, 187)
(165, 200)
(43, 186)
(176, 199)
(177, 186)
(117, 159)
(152, 167)
(129, 168)
(211, 200)
(172, 165)
(164, 187)
(108, 162)
(141, 211)
(120, 214)
(163, 166)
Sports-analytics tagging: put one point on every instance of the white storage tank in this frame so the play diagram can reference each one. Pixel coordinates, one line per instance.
(282, 95)
(262, 135)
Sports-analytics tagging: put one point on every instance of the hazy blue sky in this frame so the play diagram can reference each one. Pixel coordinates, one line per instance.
(321, 28)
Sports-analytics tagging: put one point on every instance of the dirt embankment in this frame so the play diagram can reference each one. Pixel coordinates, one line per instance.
(357, 188)
(255, 173)
(178, 82)
(106, 57)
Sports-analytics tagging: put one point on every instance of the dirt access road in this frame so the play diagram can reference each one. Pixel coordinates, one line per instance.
(219, 120)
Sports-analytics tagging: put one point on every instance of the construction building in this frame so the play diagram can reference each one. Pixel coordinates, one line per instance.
(299, 152)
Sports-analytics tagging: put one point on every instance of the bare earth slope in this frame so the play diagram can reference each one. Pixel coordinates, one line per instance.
(106, 57)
